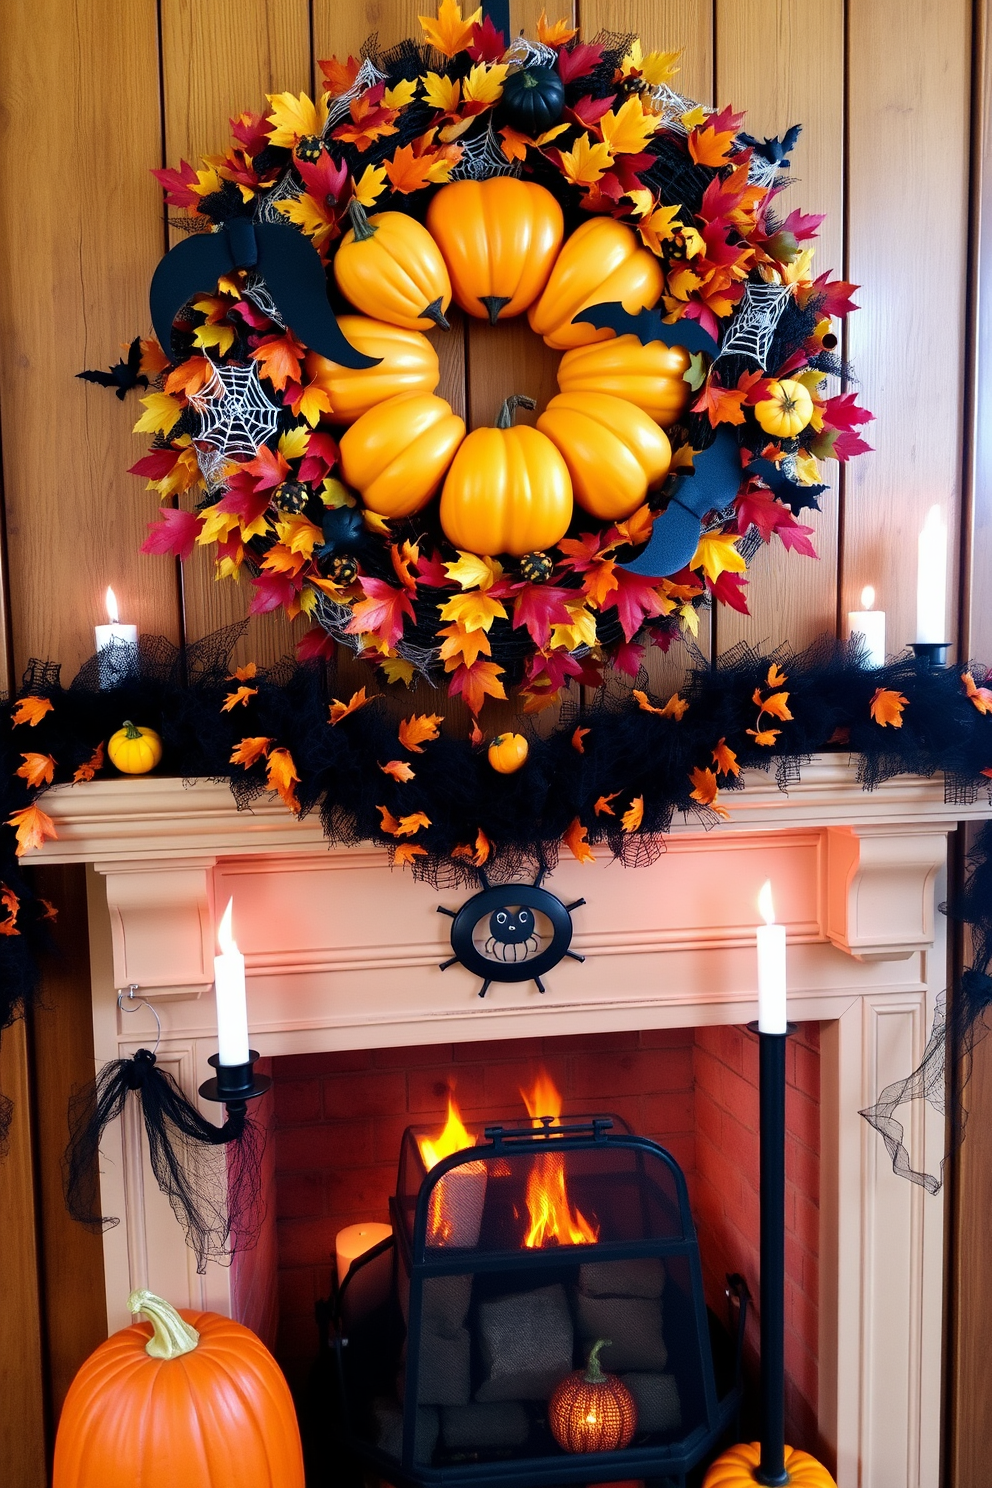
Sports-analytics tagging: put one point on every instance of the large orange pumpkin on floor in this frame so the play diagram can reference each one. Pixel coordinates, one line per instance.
(736, 1468)
(194, 1400)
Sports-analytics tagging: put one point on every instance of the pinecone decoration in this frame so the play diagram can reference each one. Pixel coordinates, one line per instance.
(536, 567)
(342, 569)
(310, 148)
(290, 497)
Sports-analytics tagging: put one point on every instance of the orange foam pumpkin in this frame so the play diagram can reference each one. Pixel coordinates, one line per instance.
(591, 1411)
(614, 451)
(602, 261)
(652, 376)
(407, 364)
(193, 1399)
(736, 1468)
(499, 239)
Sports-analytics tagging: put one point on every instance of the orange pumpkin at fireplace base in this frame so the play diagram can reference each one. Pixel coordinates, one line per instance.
(591, 1411)
(736, 1468)
(198, 1399)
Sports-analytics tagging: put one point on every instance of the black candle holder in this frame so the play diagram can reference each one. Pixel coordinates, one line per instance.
(932, 653)
(235, 1084)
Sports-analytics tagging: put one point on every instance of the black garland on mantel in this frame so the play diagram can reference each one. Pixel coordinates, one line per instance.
(622, 749)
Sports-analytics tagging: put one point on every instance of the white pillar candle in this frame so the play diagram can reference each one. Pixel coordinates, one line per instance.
(868, 624)
(229, 988)
(116, 646)
(772, 1016)
(354, 1241)
(931, 579)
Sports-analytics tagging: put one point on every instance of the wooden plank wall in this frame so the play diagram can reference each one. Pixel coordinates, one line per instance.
(97, 92)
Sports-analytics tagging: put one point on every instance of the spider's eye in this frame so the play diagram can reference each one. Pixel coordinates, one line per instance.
(525, 917)
(501, 917)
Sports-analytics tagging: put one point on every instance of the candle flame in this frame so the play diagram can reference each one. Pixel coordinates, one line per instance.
(766, 907)
(225, 931)
(112, 613)
(867, 597)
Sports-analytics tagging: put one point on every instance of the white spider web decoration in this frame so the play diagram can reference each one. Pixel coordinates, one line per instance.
(236, 416)
(285, 189)
(257, 291)
(670, 106)
(761, 171)
(753, 326)
(334, 618)
(368, 76)
(482, 158)
(524, 53)
(213, 467)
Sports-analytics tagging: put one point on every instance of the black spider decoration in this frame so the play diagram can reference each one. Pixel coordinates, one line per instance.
(512, 951)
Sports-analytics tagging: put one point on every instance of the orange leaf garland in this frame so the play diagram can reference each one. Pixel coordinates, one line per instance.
(33, 827)
(244, 674)
(477, 855)
(775, 677)
(676, 707)
(634, 815)
(764, 736)
(576, 839)
(980, 696)
(388, 822)
(725, 759)
(406, 852)
(37, 769)
(602, 806)
(234, 698)
(339, 710)
(249, 750)
(778, 706)
(399, 770)
(705, 790)
(31, 710)
(87, 770)
(577, 739)
(420, 729)
(281, 776)
(886, 707)
(411, 824)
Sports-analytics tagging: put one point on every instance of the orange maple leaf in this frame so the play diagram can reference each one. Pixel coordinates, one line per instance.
(339, 710)
(234, 698)
(886, 707)
(638, 526)
(51, 913)
(634, 815)
(389, 822)
(775, 677)
(577, 739)
(676, 707)
(399, 769)
(33, 826)
(477, 855)
(370, 120)
(603, 807)
(279, 358)
(421, 729)
(408, 172)
(411, 824)
(764, 736)
(449, 33)
(243, 674)
(405, 852)
(249, 750)
(339, 75)
(709, 146)
(190, 376)
(477, 682)
(777, 706)
(31, 710)
(725, 759)
(11, 904)
(576, 839)
(463, 647)
(600, 582)
(980, 696)
(88, 770)
(721, 405)
(281, 776)
(553, 33)
(37, 769)
(705, 790)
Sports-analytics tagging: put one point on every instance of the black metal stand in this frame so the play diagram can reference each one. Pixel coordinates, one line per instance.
(934, 653)
(235, 1084)
(771, 1049)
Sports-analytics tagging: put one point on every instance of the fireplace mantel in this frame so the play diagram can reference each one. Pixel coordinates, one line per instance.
(343, 952)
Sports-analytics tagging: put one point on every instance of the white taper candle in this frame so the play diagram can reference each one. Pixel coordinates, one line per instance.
(772, 1017)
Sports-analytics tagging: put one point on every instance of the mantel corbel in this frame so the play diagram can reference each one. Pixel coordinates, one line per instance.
(161, 916)
(879, 887)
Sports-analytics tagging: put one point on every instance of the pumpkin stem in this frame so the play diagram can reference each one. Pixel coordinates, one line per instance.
(434, 312)
(171, 1337)
(131, 732)
(494, 304)
(513, 402)
(363, 228)
(594, 1373)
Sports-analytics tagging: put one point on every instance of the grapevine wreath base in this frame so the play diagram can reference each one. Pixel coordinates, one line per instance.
(563, 180)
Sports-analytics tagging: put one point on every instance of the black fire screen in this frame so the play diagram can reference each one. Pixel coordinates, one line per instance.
(510, 1261)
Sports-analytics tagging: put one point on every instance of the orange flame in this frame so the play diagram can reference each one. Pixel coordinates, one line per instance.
(453, 1138)
(443, 1224)
(553, 1221)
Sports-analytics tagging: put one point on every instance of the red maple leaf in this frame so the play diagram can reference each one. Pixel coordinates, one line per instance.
(320, 458)
(477, 682)
(174, 532)
(539, 606)
(578, 61)
(315, 645)
(177, 184)
(488, 44)
(251, 132)
(627, 657)
(588, 110)
(156, 464)
(636, 599)
(835, 296)
(802, 225)
(432, 571)
(381, 612)
(273, 590)
(843, 412)
(760, 509)
(729, 590)
(268, 468)
(848, 444)
(796, 538)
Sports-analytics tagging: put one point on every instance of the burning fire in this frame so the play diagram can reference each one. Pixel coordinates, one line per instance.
(553, 1221)
(454, 1138)
(454, 1213)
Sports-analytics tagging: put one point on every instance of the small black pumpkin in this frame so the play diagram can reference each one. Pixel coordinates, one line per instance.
(343, 529)
(290, 497)
(536, 568)
(341, 569)
(533, 99)
(310, 148)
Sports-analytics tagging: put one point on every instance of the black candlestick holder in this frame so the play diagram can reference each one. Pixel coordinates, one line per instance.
(931, 653)
(235, 1085)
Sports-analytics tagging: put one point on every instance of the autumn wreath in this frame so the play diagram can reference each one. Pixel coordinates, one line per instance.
(561, 179)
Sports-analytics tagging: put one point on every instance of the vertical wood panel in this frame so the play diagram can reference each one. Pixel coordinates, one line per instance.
(340, 29)
(80, 233)
(22, 1421)
(908, 87)
(783, 61)
(218, 58)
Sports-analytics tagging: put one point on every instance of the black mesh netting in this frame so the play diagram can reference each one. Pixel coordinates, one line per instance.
(210, 1174)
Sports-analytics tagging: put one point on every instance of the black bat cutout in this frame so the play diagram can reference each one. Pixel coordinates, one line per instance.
(791, 492)
(675, 535)
(286, 260)
(647, 325)
(123, 376)
(774, 150)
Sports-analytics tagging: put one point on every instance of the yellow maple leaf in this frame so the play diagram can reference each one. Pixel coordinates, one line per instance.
(240, 696)
(161, 414)
(418, 730)
(580, 632)
(398, 769)
(442, 92)
(886, 707)
(309, 217)
(716, 553)
(88, 768)
(339, 710)
(37, 769)
(661, 227)
(602, 806)
(249, 750)
(694, 116)
(405, 852)
(370, 185)
(281, 776)
(403, 93)
(474, 610)
(299, 534)
(554, 33)
(585, 163)
(473, 571)
(395, 669)
(293, 444)
(216, 526)
(295, 118)
(485, 84)
(576, 839)
(655, 68)
(725, 759)
(33, 826)
(448, 32)
(689, 618)
(31, 710)
(626, 130)
(221, 336)
(634, 815)
(408, 826)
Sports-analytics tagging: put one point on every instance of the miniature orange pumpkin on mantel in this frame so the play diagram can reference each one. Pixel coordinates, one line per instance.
(134, 750)
(195, 1399)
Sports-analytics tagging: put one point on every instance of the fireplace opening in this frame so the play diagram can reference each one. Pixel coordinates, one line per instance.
(340, 1120)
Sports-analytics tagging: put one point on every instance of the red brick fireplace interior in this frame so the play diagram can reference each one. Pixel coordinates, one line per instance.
(339, 1118)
